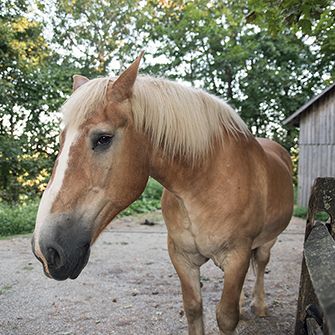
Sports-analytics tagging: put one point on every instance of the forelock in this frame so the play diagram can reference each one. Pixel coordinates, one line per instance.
(84, 101)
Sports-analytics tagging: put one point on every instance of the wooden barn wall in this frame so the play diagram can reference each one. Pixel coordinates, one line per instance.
(316, 145)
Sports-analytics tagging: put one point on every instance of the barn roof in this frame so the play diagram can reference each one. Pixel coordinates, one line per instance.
(294, 119)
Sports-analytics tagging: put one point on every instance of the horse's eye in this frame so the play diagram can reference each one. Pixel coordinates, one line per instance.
(103, 140)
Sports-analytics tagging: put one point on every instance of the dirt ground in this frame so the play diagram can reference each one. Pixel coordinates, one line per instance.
(130, 287)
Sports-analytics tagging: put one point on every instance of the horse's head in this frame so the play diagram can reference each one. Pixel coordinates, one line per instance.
(102, 167)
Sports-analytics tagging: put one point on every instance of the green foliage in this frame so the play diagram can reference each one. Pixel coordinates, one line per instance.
(101, 32)
(301, 212)
(313, 20)
(31, 90)
(295, 163)
(148, 201)
(17, 219)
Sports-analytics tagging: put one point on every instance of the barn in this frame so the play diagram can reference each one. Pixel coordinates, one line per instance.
(316, 120)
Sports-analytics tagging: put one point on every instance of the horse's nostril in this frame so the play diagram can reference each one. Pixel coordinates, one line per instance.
(54, 258)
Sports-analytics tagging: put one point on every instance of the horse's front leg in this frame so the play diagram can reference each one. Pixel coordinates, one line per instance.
(188, 269)
(235, 265)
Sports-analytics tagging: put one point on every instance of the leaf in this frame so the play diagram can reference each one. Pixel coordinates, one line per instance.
(306, 26)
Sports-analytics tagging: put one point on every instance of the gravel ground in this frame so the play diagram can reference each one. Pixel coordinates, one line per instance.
(130, 287)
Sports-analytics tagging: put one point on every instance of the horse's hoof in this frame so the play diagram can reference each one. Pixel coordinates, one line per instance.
(260, 311)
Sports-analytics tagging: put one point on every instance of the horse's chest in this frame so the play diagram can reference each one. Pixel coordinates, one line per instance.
(181, 232)
(193, 229)
(191, 237)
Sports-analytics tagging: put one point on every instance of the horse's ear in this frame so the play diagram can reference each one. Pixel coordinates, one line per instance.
(78, 81)
(121, 88)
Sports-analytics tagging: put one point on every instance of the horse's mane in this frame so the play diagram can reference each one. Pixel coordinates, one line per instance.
(179, 119)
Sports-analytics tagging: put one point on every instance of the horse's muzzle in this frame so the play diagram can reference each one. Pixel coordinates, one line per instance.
(65, 253)
(66, 264)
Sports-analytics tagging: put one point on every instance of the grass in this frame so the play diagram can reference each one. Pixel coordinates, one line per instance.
(20, 219)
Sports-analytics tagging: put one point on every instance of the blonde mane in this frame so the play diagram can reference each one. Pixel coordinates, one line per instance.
(180, 120)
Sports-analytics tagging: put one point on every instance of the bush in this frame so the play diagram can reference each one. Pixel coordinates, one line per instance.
(17, 219)
(20, 219)
(148, 201)
(300, 212)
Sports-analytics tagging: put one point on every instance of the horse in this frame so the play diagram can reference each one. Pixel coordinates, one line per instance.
(227, 195)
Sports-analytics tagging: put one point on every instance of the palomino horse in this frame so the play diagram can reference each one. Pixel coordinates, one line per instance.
(227, 195)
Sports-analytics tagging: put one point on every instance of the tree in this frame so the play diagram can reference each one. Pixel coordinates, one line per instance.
(312, 20)
(30, 86)
(211, 44)
(93, 34)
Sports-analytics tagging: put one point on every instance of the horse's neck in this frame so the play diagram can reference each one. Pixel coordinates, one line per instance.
(182, 177)
(175, 175)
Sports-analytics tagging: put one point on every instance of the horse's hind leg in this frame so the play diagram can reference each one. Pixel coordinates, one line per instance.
(188, 269)
(235, 265)
(261, 258)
